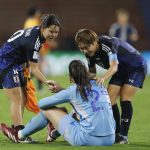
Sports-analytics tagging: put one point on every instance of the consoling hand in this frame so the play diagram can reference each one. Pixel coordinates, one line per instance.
(53, 86)
(100, 81)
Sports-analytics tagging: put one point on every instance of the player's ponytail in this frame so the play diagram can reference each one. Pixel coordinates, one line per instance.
(50, 19)
(78, 72)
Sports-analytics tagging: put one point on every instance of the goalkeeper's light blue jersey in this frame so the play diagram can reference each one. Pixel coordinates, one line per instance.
(96, 117)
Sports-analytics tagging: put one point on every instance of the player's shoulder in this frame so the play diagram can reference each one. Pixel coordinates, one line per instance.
(32, 32)
(105, 37)
(105, 40)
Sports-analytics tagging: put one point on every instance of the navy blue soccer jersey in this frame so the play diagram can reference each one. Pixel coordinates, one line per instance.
(21, 47)
(122, 32)
(128, 56)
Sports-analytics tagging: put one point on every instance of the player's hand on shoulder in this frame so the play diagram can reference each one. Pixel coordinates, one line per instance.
(100, 81)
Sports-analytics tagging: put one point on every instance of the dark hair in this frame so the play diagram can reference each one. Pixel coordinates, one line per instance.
(50, 19)
(85, 36)
(78, 72)
(32, 11)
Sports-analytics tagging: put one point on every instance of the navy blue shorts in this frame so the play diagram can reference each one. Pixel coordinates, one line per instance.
(132, 77)
(12, 78)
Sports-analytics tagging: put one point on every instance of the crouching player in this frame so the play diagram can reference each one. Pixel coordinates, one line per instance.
(96, 126)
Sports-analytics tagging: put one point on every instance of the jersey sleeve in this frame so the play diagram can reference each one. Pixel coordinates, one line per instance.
(59, 98)
(110, 46)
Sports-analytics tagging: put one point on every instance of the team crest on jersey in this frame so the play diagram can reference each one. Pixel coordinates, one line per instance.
(37, 44)
(28, 32)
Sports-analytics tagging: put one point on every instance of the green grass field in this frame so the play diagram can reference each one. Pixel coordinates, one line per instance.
(139, 134)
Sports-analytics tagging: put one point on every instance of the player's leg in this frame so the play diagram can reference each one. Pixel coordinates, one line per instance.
(37, 123)
(40, 121)
(133, 81)
(70, 129)
(15, 97)
(114, 88)
(67, 126)
(114, 92)
(12, 83)
(127, 94)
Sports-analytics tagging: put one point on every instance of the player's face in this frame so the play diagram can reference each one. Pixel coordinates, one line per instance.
(51, 32)
(123, 18)
(88, 49)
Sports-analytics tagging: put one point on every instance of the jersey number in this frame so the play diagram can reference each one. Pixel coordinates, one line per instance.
(15, 35)
(95, 99)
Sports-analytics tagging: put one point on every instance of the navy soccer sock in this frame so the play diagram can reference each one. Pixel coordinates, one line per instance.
(116, 115)
(126, 116)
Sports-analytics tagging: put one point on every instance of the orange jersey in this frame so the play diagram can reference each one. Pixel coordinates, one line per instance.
(31, 104)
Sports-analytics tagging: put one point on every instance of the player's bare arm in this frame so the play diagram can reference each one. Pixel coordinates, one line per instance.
(36, 71)
(111, 71)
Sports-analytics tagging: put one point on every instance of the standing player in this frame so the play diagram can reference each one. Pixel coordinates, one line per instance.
(122, 29)
(127, 70)
(23, 47)
(90, 101)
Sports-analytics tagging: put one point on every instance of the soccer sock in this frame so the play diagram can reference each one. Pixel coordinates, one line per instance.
(116, 115)
(37, 123)
(126, 116)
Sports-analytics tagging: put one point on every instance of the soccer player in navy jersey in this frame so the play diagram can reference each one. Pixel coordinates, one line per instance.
(96, 125)
(122, 29)
(124, 65)
(23, 47)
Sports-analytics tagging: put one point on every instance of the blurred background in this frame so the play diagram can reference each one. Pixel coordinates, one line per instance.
(98, 15)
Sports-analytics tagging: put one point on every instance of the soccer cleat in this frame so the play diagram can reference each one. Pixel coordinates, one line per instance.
(52, 133)
(27, 140)
(117, 138)
(10, 133)
(123, 140)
